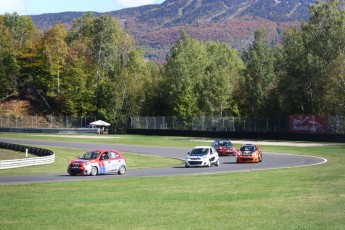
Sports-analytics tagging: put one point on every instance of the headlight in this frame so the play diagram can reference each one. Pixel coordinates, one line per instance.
(255, 153)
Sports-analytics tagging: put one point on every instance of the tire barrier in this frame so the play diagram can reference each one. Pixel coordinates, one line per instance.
(59, 131)
(44, 156)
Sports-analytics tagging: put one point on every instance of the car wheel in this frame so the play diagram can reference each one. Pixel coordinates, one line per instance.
(257, 160)
(94, 171)
(261, 158)
(186, 166)
(217, 162)
(122, 170)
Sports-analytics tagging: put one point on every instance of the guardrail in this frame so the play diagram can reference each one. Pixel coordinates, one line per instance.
(45, 156)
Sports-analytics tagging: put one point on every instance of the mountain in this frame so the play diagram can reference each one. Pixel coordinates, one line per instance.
(178, 12)
(158, 27)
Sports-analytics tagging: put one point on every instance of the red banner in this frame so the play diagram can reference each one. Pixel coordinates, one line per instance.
(308, 123)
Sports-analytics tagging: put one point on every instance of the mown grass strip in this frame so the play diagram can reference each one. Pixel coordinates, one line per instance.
(296, 198)
(300, 198)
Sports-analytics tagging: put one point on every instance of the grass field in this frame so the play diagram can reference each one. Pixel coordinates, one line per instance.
(297, 198)
(6, 154)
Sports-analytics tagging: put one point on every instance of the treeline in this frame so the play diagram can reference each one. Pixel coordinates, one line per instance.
(95, 69)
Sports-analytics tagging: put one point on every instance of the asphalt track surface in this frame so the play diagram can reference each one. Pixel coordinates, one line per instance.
(227, 164)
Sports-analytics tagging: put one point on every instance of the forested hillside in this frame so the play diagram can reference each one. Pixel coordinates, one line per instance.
(94, 68)
(158, 27)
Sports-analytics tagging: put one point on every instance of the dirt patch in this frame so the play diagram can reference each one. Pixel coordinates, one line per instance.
(15, 107)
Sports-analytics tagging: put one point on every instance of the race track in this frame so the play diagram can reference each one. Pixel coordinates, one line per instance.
(227, 164)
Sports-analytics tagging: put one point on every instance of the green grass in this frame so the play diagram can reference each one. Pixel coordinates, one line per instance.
(64, 155)
(111, 139)
(298, 198)
(6, 154)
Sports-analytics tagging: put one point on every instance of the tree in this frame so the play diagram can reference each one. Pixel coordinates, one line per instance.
(292, 84)
(16, 32)
(200, 79)
(113, 69)
(55, 52)
(21, 28)
(77, 85)
(308, 53)
(101, 38)
(152, 100)
(326, 40)
(260, 80)
(221, 78)
(104, 45)
(8, 65)
(122, 95)
(336, 86)
(184, 70)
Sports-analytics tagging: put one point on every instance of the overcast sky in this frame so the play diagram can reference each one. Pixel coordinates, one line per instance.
(32, 7)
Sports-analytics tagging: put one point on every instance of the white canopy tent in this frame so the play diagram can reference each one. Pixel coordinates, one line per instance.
(100, 123)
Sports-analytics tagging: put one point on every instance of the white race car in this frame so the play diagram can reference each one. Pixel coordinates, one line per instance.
(202, 156)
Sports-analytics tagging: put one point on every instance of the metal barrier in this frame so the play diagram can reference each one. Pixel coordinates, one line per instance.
(45, 156)
(45, 122)
(7, 164)
(278, 124)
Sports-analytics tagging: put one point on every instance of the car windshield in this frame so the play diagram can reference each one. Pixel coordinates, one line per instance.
(89, 155)
(247, 148)
(199, 151)
(225, 143)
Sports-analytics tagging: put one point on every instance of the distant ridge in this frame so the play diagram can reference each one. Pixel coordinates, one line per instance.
(157, 27)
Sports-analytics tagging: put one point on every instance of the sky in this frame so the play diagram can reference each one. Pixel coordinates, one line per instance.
(33, 7)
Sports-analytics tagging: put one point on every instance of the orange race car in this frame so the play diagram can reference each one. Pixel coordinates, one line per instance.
(249, 153)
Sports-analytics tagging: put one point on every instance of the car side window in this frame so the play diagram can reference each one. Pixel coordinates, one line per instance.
(114, 155)
(105, 156)
(111, 155)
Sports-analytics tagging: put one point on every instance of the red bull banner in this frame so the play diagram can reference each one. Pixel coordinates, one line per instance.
(308, 124)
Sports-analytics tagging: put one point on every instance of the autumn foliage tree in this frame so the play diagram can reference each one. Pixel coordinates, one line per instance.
(310, 54)
(95, 69)
(200, 79)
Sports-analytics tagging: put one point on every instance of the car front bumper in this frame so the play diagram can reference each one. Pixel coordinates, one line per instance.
(227, 153)
(247, 159)
(196, 163)
(79, 170)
